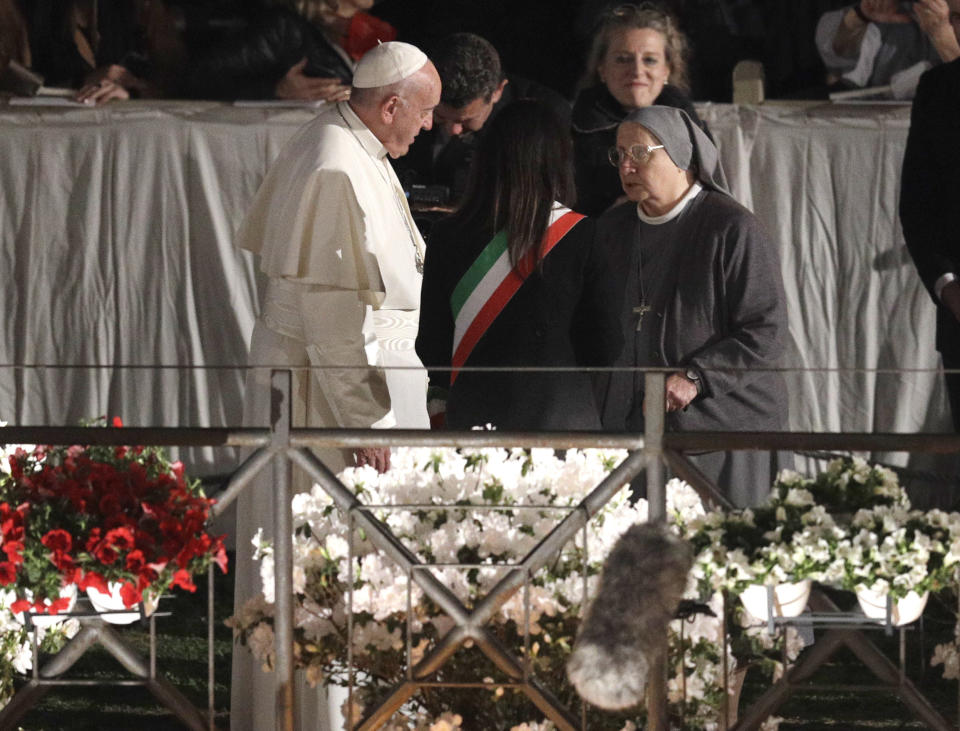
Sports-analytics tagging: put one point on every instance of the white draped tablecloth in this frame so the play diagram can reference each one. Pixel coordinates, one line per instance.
(116, 238)
(825, 181)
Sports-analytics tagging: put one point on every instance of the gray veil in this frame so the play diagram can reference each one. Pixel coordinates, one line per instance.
(686, 144)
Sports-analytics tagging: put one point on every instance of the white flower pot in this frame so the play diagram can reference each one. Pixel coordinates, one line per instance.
(49, 620)
(904, 611)
(111, 605)
(789, 600)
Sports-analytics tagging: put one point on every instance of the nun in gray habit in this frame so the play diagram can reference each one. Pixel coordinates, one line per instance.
(702, 294)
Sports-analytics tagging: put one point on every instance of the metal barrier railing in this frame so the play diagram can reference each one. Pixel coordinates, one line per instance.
(283, 443)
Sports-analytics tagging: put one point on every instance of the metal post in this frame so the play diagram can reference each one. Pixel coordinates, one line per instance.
(211, 678)
(280, 391)
(654, 410)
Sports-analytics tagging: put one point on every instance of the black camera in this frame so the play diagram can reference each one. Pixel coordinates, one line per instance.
(421, 196)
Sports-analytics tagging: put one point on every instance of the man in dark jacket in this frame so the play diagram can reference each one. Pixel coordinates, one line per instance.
(475, 89)
(929, 211)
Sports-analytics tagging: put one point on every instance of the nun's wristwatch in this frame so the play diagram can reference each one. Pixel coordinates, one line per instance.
(692, 374)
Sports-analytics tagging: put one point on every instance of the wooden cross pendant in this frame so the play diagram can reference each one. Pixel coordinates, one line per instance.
(640, 311)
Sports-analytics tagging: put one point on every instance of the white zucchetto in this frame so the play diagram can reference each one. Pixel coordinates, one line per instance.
(387, 64)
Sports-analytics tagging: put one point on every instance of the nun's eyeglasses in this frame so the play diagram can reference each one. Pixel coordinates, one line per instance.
(637, 154)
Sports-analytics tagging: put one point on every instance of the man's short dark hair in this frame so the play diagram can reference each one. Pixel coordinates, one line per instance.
(469, 67)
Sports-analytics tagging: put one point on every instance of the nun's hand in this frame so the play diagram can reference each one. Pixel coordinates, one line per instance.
(679, 391)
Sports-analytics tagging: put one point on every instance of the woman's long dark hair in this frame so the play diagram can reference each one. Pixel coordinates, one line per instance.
(522, 165)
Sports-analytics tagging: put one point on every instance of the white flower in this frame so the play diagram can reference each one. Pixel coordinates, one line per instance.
(799, 496)
(948, 656)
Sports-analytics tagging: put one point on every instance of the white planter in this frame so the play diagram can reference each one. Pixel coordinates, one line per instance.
(904, 611)
(111, 605)
(48, 620)
(789, 600)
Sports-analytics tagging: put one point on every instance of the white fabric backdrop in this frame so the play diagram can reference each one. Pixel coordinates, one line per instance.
(116, 229)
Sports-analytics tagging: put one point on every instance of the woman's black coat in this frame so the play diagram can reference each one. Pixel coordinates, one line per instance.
(250, 63)
(596, 116)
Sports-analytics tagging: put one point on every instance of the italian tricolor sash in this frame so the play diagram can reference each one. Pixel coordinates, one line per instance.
(490, 283)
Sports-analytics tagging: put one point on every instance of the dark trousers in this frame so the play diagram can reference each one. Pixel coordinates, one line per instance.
(953, 387)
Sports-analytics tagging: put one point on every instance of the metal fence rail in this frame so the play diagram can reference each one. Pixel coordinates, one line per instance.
(282, 444)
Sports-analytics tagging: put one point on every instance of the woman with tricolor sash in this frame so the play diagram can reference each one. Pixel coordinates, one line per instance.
(516, 298)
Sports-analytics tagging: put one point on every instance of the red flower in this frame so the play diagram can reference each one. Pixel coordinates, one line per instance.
(93, 539)
(14, 551)
(11, 522)
(59, 605)
(58, 540)
(136, 561)
(8, 573)
(105, 553)
(72, 575)
(120, 538)
(117, 422)
(21, 605)
(129, 594)
(63, 561)
(183, 579)
(220, 557)
(94, 580)
(109, 505)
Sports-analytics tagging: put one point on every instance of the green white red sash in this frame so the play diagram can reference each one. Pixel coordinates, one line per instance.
(490, 283)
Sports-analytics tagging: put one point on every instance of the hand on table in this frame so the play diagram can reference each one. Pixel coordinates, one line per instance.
(297, 85)
(376, 457)
(101, 92)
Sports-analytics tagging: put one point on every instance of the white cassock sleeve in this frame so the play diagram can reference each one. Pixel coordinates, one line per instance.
(342, 345)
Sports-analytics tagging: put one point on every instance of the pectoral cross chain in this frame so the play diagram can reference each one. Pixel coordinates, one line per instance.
(640, 311)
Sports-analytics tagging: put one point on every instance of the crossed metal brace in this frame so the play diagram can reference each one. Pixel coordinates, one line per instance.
(651, 453)
(469, 624)
(93, 631)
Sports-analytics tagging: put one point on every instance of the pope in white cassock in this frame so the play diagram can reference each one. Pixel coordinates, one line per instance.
(344, 259)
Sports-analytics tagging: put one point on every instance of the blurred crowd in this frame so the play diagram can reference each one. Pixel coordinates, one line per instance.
(306, 49)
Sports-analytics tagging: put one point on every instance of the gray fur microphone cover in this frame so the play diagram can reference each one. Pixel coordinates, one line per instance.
(642, 583)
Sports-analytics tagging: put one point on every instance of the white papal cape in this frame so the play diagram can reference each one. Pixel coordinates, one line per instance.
(337, 241)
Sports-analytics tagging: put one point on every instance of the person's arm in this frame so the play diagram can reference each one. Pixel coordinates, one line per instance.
(341, 346)
(925, 189)
(755, 327)
(852, 28)
(254, 64)
(295, 84)
(933, 17)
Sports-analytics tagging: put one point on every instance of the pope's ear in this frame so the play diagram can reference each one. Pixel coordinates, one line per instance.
(389, 108)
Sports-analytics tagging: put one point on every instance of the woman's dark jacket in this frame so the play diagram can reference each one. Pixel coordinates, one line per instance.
(250, 63)
(564, 316)
(596, 116)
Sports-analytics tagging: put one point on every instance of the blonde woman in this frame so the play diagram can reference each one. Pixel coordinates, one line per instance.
(638, 58)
